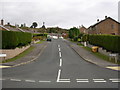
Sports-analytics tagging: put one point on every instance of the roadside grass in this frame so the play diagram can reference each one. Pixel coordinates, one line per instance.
(20, 55)
(100, 55)
(40, 42)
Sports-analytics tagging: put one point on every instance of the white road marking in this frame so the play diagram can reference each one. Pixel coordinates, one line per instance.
(99, 81)
(60, 54)
(114, 79)
(61, 80)
(59, 49)
(60, 62)
(58, 45)
(30, 80)
(15, 80)
(82, 81)
(44, 81)
(58, 75)
(2, 79)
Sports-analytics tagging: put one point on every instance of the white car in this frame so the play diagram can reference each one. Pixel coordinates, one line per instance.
(55, 37)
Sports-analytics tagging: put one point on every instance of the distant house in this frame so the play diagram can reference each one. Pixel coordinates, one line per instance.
(9, 27)
(106, 26)
(83, 29)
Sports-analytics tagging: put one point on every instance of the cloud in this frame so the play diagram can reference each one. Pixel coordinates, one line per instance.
(63, 13)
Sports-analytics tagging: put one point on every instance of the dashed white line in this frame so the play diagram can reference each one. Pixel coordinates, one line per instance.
(58, 45)
(60, 62)
(114, 79)
(59, 49)
(30, 80)
(60, 54)
(45, 81)
(2, 79)
(82, 81)
(15, 80)
(98, 79)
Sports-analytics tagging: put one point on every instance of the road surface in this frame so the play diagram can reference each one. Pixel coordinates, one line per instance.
(59, 66)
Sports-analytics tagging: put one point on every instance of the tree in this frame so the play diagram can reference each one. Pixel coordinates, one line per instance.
(34, 25)
(74, 32)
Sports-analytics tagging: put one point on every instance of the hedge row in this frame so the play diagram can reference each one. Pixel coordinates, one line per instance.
(11, 40)
(109, 42)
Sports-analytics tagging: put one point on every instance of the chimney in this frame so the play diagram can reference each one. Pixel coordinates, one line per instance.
(2, 22)
(97, 20)
(105, 17)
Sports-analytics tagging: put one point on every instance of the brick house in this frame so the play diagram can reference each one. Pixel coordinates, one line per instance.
(83, 29)
(106, 26)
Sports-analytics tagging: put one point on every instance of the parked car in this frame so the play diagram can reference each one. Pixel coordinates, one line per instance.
(49, 39)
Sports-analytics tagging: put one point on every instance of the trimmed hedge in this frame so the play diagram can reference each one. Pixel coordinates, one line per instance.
(109, 42)
(11, 40)
(85, 38)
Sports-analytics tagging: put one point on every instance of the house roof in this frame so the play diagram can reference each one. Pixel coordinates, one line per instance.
(103, 21)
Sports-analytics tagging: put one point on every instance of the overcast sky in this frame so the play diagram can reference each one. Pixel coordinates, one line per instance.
(62, 13)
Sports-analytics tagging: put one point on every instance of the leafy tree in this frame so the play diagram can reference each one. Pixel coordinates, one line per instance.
(34, 25)
(74, 32)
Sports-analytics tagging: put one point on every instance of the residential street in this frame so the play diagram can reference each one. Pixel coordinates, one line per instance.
(59, 66)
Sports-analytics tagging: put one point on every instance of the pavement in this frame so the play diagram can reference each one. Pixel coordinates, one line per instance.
(59, 66)
(88, 56)
(30, 57)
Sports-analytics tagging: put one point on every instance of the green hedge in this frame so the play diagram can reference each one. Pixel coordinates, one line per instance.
(11, 40)
(85, 38)
(109, 42)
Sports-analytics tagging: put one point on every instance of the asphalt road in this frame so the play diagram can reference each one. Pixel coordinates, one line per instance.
(59, 66)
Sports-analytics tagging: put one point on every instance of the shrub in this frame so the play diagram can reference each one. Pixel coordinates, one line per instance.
(11, 40)
(85, 38)
(109, 42)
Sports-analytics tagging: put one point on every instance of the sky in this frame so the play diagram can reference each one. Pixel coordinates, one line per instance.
(61, 13)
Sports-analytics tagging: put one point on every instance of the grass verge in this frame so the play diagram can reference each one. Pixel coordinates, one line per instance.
(20, 55)
(100, 55)
(40, 42)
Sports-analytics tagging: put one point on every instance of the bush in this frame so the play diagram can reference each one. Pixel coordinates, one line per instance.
(85, 38)
(109, 42)
(11, 40)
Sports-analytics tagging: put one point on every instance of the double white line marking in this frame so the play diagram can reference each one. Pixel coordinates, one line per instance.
(115, 80)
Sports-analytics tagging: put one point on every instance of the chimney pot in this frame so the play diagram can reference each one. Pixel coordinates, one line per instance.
(97, 20)
(2, 22)
(105, 17)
